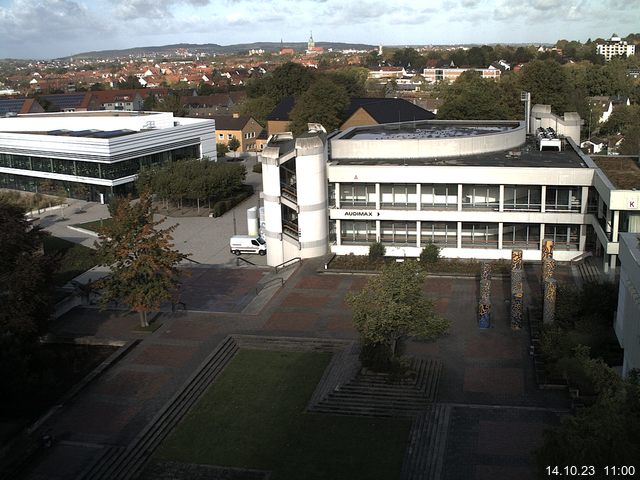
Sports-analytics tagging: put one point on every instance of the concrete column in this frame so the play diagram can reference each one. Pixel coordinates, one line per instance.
(608, 221)
(616, 225)
(378, 200)
(600, 207)
(543, 198)
(418, 233)
(541, 237)
(612, 263)
(501, 202)
(338, 230)
(459, 232)
(585, 200)
(459, 199)
(418, 196)
(549, 305)
(583, 238)
(500, 226)
(337, 193)
(377, 229)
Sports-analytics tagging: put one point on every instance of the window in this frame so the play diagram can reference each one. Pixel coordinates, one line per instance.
(522, 197)
(398, 196)
(480, 197)
(221, 136)
(357, 195)
(439, 197)
(229, 136)
(521, 235)
(357, 232)
(398, 233)
(441, 234)
(563, 199)
(480, 235)
(565, 237)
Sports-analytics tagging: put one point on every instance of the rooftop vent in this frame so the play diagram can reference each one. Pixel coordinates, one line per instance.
(547, 139)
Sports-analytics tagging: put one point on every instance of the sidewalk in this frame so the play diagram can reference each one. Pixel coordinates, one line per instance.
(205, 239)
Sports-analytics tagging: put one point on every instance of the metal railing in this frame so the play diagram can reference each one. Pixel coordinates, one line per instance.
(240, 259)
(288, 263)
(273, 281)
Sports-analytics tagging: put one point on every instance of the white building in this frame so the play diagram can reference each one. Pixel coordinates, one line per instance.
(615, 47)
(477, 189)
(451, 74)
(627, 324)
(94, 155)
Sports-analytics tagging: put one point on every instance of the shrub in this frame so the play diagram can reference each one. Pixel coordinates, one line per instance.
(430, 254)
(257, 168)
(377, 251)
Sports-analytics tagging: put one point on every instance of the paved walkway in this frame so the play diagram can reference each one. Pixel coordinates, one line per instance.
(206, 239)
(497, 415)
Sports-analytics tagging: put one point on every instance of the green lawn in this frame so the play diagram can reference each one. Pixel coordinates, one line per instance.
(95, 225)
(253, 417)
(75, 259)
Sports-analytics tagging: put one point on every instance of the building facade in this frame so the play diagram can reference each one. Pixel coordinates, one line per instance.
(476, 189)
(615, 47)
(627, 324)
(434, 75)
(94, 155)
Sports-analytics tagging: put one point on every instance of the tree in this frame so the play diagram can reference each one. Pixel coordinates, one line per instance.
(233, 144)
(605, 433)
(221, 149)
(430, 254)
(548, 83)
(324, 102)
(143, 263)
(471, 97)
(393, 305)
(258, 108)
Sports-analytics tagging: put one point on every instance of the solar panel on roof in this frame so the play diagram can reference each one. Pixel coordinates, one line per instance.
(83, 133)
(113, 133)
(12, 105)
(59, 132)
(65, 101)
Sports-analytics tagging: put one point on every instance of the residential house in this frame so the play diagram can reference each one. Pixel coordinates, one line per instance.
(245, 129)
(211, 105)
(16, 106)
(376, 111)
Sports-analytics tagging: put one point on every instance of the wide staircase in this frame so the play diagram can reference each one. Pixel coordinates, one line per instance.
(373, 394)
(124, 463)
(589, 270)
(424, 456)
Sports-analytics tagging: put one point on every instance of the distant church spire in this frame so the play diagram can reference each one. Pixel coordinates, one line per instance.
(310, 43)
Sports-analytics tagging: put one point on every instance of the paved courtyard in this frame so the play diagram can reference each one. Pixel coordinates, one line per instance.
(497, 414)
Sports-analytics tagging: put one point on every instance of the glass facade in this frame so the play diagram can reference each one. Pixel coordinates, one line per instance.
(563, 199)
(479, 235)
(103, 170)
(439, 197)
(521, 235)
(523, 197)
(361, 195)
(443, 234)
(357, 232)
(398, 233)
(402, 196)
(565, 237)
(480, 197)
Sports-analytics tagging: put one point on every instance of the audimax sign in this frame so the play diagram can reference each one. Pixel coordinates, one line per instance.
(361, 213)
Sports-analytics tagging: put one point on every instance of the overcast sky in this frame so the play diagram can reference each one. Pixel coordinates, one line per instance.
(55, 28)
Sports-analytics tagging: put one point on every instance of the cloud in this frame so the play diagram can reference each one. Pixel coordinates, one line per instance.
(153, 9)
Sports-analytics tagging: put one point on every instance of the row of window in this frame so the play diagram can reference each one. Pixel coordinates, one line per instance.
(445, 234)
(445, 197)
(108, 171)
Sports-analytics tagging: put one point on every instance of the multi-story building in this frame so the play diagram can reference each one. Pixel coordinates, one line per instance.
(245, 129)
(615, 47)
(627, 324)
(94, 155)
(451, 74)
(477, 189)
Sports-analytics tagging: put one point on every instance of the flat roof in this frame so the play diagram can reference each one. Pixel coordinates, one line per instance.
(526, 155)
(91, 113)
(417, 130)
(623, 172)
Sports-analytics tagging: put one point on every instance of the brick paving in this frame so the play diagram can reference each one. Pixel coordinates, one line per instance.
(487, 376)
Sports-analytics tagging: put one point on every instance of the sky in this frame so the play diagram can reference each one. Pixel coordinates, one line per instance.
(56, 28)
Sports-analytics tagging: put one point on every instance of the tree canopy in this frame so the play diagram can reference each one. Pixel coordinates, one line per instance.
(548, 83)
(393, 305)
(324, 102)
(141, 257)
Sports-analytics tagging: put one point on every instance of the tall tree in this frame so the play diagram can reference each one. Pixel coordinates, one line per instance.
(143, 262)
(548, 83)
(324, 102)
(393, 305)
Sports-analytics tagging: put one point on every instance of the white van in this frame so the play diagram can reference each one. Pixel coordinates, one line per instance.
(239, 244)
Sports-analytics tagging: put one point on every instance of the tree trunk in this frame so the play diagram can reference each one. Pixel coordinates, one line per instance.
(144, 321)
(198, 200)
